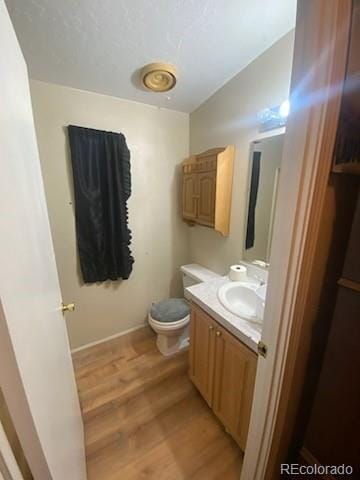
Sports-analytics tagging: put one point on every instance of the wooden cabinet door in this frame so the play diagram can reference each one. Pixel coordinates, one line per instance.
(202, 345)
(234, 379)
(189, 200)
(206, 202)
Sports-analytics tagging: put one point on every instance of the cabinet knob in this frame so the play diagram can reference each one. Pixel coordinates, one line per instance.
(211, 327)
(218, 333)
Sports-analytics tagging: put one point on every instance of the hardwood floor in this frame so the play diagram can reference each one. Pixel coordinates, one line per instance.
(143, 417)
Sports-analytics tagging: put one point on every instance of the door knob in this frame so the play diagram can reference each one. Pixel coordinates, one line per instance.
(69, 307)
(218, 333)
(211, 327)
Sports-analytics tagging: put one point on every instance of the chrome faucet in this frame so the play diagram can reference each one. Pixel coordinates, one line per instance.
(260, 263)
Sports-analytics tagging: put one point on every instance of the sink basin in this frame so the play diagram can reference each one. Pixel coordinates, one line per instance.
(240, 298)
(261, 294)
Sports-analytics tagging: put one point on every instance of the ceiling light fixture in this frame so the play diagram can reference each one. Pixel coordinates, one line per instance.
(159, 77)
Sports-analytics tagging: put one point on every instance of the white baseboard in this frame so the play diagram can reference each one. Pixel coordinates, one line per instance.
(106, 339)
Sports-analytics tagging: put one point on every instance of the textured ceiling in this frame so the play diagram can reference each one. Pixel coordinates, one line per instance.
(99, 45)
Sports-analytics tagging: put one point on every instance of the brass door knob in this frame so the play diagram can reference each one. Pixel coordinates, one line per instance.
(218, 333)
(69, 307)
(211, 327)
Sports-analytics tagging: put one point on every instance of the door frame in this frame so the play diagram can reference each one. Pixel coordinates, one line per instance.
(9, 469)
(319, 63)
(16, 400)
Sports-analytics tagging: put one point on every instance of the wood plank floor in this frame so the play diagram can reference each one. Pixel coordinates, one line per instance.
(143, 417)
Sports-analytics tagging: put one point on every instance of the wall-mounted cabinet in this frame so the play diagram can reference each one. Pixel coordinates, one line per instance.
(207, 189)
(223, 369)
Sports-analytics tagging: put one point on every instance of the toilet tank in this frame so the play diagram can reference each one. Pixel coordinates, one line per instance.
(193, 274)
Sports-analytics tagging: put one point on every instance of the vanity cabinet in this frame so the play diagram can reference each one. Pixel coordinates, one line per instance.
(223, 369)
(207, 189)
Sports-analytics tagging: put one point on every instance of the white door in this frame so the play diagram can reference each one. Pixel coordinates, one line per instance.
(36, 372)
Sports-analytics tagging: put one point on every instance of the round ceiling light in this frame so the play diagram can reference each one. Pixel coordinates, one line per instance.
(158, 77)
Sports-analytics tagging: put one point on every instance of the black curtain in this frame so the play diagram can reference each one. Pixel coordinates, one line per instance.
(254, 187)
(102, 185)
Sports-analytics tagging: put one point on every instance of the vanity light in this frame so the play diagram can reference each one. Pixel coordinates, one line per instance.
(284, 109)
(275, 117)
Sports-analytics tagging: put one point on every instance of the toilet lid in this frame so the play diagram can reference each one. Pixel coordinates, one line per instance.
(170, 310)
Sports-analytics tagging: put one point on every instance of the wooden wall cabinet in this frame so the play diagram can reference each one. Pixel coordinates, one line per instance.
(223, 369)
(207, 189)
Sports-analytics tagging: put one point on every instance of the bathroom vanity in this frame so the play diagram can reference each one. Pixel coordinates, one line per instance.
(223, 369)
(223, 351)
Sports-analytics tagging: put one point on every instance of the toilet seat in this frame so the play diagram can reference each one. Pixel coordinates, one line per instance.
(170, 310)
(166, 326)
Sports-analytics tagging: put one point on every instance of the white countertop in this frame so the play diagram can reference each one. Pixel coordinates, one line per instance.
(205, 295)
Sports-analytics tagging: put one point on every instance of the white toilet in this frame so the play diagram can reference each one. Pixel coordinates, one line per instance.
(170, 318)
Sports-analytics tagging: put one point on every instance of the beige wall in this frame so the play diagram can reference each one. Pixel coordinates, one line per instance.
(158, 140)
(229, 117)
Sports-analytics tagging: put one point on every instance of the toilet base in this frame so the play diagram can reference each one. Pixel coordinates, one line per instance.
(172, 344)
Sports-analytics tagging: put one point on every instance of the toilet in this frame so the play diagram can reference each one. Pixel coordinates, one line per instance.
(170, 318)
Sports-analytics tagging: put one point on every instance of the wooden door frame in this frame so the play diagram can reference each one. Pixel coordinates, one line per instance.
(320, 53)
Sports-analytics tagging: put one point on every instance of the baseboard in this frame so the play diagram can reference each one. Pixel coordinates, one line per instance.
(106, 339)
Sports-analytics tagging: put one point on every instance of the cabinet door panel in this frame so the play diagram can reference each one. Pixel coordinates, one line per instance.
(207, 194)
(235, 368)
(202, 345)
(189, 196)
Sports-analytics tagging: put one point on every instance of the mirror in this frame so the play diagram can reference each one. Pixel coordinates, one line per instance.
(263, 180)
